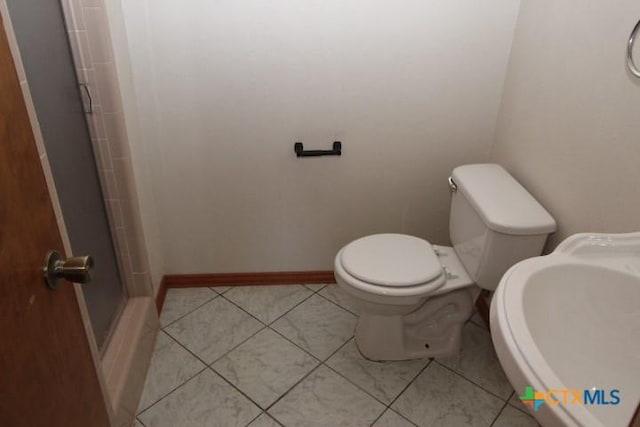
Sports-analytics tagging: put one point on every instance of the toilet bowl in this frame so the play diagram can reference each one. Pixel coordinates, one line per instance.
(414, 297)
(386, 298)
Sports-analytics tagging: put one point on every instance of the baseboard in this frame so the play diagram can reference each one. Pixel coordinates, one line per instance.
(240, 279)
(127, 357)
(243, 279)
(161, 295)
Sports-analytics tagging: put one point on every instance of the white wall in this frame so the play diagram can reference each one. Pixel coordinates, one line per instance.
(225, 88)
(142, 203)
(569, 125)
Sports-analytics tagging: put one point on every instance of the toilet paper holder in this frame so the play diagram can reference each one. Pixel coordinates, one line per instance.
(301, 152)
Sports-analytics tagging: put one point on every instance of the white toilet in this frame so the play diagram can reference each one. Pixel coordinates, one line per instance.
(414, 297)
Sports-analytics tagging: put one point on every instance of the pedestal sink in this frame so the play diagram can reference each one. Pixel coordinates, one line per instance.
(566, 328)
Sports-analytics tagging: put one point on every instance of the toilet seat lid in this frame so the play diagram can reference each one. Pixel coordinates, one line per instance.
(393, 260)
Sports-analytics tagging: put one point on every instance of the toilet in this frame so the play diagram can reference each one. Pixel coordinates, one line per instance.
(414, 297)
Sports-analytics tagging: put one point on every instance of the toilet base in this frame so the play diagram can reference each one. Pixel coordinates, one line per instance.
(434, 329)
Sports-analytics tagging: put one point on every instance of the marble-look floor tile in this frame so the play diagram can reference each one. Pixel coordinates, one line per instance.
(181, 301)
(315, 287)
(340, 297)
(324, 398)
(220, 289)
(477, 361)
(213, 329)
(317, 326)
(511, 417)
(265, 366)
(267, 303)
(171, 366)
(206, 400)
(264, 420)
(441, 398)
(383, 380)
(392, 419)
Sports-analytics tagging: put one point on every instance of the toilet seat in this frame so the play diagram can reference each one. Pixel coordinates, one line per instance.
(391, 265)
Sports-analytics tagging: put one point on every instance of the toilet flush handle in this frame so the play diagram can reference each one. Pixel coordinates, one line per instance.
(452, 185)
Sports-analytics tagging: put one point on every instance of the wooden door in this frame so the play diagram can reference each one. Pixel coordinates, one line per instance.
(47, 374)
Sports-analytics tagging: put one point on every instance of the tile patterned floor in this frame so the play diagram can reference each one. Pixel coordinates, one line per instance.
(268, 356)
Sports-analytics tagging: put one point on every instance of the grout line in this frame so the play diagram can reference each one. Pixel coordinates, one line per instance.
(292, 308)
(339, 348)
(239, 391)
(277, 318)
(319, 289)
(181, 384)
(305, 350)
(216, 295)
(221, 286)
(291, 388)
(348, 379)
(243, 310)
(171, 392)
(409, 385)
(524, 411)
(321, 363)
(384, 412)
(199, 358)
(379, 416)
(236, 346)
(265, 413)
(335, 303)
(358, 387)
(255, 418)
(498, 414)
(299, 347)
(400, 415)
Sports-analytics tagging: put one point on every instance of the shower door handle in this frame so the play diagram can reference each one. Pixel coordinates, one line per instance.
(74, 269)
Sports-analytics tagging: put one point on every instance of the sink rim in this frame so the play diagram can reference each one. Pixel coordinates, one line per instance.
(518, 356)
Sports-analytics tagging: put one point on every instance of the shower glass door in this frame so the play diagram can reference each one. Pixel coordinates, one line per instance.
(42, 39)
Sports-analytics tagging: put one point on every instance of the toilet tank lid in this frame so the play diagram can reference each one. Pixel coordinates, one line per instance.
(503, 204)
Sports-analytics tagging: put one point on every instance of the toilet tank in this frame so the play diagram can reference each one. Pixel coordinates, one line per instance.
(494, 222)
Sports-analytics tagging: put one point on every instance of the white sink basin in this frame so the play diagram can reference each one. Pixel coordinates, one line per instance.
(571, 320)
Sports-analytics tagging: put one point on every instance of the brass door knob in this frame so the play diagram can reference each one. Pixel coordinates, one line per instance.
(74, 269)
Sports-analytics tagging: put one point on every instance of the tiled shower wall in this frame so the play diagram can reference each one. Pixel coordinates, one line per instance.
(93, 55)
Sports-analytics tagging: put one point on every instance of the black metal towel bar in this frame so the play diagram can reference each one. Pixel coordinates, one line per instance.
(300, 151)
